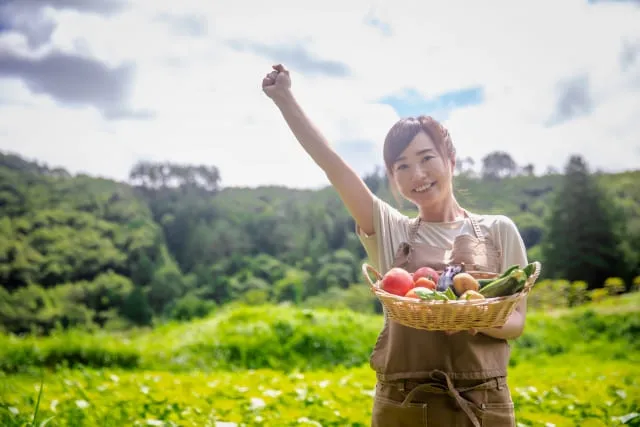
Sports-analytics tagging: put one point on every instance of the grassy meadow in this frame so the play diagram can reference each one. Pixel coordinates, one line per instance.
(287, 366)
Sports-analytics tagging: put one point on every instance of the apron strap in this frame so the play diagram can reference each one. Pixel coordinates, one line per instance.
(403, 253)
(413, 231)
(476, 227)
(448, 388)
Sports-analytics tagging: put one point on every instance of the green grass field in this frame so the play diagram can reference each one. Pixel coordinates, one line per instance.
(572, 368)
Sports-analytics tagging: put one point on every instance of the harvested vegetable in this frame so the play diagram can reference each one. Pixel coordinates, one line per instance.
(507, 285)
(471, 295)
(430, 294)
(464, 282)
(446, 278)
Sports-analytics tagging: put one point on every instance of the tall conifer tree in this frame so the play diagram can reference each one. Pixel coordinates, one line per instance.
(581, 242)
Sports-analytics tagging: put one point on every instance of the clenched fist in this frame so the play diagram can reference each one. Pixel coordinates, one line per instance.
(277, 82)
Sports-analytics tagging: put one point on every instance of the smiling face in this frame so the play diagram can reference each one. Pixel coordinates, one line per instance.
(420, 158)
(422, 174)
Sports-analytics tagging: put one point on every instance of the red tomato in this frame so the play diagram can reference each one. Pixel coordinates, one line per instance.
(423, 282)
(412, 294)
(397, 281)
(427, 272)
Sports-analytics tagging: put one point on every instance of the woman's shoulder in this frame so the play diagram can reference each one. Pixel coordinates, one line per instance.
(493, 219)
(388, 222)
(504, 233)
(496, 223)
(385, 209)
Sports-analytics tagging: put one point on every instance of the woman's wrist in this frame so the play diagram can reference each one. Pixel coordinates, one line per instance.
(283, 98)
(511, 330)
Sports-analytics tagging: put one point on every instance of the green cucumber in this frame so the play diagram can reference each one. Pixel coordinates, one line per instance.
(509, 270)
(528, 270)
(504, 286)
(496, 287)
(484, 282)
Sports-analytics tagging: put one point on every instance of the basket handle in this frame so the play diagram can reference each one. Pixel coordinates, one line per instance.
(537, 267)
(366, 269)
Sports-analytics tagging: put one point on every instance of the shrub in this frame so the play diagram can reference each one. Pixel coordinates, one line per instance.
(577, 294)
(285, 338)
(191, 307)
(597, 295)
(66, 349)
(614, 285)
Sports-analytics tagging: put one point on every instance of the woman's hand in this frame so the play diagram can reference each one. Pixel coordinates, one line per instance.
(277, 83)
(512, 329)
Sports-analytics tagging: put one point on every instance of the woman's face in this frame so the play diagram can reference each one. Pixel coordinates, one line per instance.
(422, 175)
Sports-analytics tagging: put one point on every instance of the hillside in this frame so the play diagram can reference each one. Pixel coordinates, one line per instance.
(86, 252)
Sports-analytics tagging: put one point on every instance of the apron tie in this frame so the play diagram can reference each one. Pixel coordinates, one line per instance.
(448, 388)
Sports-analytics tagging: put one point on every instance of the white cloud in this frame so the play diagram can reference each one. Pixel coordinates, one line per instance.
(210, 108)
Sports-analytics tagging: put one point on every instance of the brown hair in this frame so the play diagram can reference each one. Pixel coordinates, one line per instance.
(404, 130)
(402, 133)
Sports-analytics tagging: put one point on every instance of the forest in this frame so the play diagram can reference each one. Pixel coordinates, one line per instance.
(170, 244)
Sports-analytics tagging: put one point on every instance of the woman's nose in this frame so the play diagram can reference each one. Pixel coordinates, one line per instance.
(419, 173)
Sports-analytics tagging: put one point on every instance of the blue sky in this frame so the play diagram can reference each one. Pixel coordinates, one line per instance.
(412, 103)
(95, 86)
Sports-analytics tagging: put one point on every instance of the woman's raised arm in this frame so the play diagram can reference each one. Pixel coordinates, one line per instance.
(354, 193)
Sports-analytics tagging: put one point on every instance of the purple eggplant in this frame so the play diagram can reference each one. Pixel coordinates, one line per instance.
(446, 278)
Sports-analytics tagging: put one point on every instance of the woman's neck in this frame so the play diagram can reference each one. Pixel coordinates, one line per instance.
(447, 211)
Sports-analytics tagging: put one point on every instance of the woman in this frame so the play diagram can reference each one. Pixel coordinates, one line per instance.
(423, 377)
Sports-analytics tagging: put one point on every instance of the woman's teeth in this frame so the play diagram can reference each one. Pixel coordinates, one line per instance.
(424, 187)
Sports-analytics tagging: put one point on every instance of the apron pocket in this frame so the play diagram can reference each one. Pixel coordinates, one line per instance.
(388, 413)
(498, 415)
(388, 410)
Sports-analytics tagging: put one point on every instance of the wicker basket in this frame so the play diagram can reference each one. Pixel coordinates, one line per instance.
(449, 315)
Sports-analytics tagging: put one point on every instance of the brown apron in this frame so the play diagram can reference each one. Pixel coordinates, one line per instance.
(429, 378)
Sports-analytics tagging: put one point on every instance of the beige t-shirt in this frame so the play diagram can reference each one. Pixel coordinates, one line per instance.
(391, 228)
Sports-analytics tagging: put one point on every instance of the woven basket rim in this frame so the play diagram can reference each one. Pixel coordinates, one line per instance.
(382, 294)
(458, 314)
(413, 301)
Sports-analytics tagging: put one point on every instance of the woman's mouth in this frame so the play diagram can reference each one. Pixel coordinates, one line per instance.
(424, 187)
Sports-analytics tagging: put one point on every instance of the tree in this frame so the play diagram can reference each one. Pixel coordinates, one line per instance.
(136, 308)
(162, 175)
(581, 242)
(498, 164)
(166, 286)
(464, 165)
(551, 171)
(528, 169)
(376, 179)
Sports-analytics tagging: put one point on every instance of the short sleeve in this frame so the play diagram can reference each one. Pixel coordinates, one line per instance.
(390, 228)
(514, 250)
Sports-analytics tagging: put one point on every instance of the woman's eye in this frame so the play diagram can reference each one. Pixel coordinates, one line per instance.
(426, 158)
(403, 166)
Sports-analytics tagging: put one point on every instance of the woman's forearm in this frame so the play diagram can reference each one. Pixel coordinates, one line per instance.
(514, 326)
(307, 134)
(350, 187)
